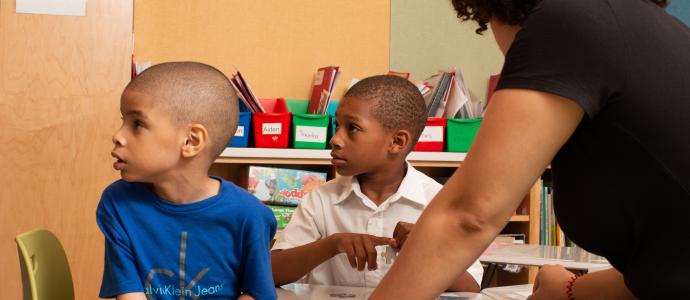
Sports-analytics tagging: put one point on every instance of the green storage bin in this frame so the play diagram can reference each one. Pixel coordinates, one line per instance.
(310, 131)
(297, 106)
(461, 133)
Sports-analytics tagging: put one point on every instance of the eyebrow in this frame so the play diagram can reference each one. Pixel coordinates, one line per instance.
(352, 118)
(135, 112)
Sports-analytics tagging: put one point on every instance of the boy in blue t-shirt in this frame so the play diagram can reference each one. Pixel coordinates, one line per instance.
(171, 231)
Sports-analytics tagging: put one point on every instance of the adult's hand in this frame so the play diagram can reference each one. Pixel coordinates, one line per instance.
(551, 283)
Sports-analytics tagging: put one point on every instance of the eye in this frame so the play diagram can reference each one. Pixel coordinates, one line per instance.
(138, 124)
(353, 128)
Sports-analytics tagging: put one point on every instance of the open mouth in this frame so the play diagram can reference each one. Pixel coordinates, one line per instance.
(119, 163)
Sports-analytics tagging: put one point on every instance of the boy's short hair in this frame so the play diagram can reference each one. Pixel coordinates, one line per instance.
(398, 103)
(193, 92)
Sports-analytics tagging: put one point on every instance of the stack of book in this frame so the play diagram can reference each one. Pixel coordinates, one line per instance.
(325, 81)
(245, 93)
(448, 96)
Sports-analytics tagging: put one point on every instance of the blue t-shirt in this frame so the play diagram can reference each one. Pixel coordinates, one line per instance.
(215, 248)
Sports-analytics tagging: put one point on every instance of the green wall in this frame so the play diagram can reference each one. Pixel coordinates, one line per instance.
(427, 36)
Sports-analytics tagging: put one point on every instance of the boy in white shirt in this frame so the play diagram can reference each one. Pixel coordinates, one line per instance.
(346, 224)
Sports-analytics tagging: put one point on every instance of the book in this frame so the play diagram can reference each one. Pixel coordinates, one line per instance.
(325, 81)
(281, 186)
(245, 93)
(405, 75)
(439, 95)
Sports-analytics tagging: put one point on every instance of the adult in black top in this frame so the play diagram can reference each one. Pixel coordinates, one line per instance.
(602, 89)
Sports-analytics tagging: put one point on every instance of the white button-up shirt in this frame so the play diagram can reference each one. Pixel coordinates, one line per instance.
(340, 206)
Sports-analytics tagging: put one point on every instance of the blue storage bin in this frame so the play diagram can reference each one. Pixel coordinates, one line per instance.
(241, 138)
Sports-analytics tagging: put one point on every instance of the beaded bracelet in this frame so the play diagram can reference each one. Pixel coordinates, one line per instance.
(571, 282)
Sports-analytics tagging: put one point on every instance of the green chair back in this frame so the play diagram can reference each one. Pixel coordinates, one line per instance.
(44, 266)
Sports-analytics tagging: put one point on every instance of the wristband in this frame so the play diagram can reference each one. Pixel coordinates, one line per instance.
(569, 290)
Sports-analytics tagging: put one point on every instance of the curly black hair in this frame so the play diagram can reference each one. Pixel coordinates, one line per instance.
(511, 12)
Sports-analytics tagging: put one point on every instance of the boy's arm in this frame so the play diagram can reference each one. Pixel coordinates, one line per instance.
(292, 264)
(289, 265)
(120, 276)
(256, 280)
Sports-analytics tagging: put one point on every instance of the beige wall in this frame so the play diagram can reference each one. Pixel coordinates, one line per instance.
(426, 36)
(277, 45)
(60, 80)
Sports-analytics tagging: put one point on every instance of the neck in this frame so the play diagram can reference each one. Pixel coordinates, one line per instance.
(504, 34)
(382, 183)
(186, 188)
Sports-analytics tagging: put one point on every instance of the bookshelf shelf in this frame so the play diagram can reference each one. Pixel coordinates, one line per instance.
(323, 157)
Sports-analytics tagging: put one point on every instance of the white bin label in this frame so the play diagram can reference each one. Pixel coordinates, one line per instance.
(239, 131)
(432, 134)
(271, 128)
(310, 134)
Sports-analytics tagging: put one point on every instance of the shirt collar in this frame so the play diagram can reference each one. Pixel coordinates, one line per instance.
(411, 188)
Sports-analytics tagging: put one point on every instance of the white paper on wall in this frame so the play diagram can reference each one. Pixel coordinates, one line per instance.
(52, 7)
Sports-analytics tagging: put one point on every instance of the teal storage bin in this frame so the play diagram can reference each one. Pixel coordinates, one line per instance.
(461, 133)
(332, 107)
(310, 131)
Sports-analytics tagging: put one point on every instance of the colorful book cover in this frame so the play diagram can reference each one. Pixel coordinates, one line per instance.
(282, 186)
(283, 214)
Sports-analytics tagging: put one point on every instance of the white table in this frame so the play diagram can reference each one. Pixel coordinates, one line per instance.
(511, 292)
(298, 291)
(573, 258)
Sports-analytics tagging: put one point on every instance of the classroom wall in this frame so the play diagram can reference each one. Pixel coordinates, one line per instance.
(277, 45)
(60, 80)
(427, 36)
(680, 9)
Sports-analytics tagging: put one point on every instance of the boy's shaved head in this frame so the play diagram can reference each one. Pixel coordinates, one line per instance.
(398, 103)
(193, 93)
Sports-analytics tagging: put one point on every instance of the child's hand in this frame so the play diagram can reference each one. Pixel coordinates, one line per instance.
(402, 230)
(245, 297)
(360, 248)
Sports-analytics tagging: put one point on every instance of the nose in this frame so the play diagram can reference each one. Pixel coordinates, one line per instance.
(336, 141)
(118, 139)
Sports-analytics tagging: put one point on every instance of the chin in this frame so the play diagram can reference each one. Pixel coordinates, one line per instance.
(130, 177)
(346, 172)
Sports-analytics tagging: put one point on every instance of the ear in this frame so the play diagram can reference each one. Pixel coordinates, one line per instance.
(195, 141)
(401, 141)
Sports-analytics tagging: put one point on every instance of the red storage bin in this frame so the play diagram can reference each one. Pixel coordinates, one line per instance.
(432, 136)
(271, 129)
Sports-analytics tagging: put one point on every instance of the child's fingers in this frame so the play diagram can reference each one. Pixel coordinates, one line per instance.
(350, 252)
(381, 241)
(371, 253)
(361, 255)
(397, 230)
(401, 241)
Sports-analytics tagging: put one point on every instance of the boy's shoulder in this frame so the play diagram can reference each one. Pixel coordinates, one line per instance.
(418, 177)
(122, 190)
(242, 201)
